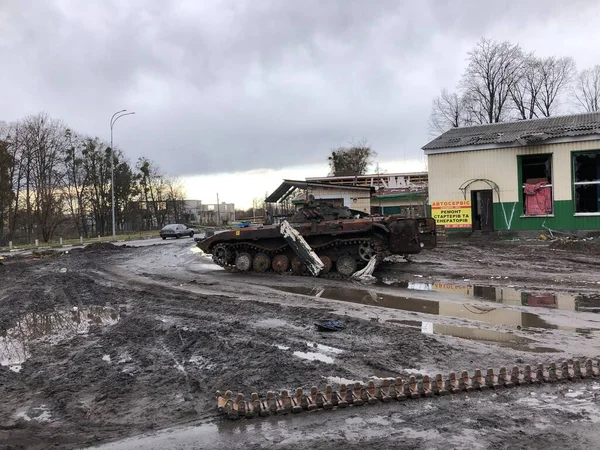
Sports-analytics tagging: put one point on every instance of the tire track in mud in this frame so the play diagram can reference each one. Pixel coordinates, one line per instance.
(161, 362)
(127, 377)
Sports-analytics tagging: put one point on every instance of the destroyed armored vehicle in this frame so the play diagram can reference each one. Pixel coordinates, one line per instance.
(329, 235)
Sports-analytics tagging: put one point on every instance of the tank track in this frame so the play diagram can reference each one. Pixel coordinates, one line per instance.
(398, 389)
(380, 251)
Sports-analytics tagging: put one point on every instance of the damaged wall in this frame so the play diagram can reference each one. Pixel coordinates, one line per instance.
(448, 171)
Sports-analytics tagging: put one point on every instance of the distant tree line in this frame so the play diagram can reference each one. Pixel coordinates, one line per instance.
(502, 82)
(53, 178)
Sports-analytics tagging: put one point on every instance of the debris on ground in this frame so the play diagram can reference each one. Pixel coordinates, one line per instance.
(330, 325)
(413, 387)
(365, 275)
(125, 343)
(44, 253)
(101, 246)
(583, 245)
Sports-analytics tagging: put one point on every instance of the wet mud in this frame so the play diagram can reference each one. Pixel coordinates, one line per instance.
(109, 343)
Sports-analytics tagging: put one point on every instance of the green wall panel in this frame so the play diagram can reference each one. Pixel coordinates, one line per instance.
(563, 218)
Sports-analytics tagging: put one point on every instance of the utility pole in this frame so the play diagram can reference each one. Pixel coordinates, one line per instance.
(113, 119)
(218, 211)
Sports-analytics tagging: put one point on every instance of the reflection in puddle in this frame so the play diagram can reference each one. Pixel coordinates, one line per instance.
(478, 334)
(508, 295)
(54, 326)
(476, 312)
(469, 311)
(503, 339)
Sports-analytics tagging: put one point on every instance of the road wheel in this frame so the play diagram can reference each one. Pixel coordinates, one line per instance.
(191, 234)
(298, 266)
(281, 263)
(346, 265)
(164, 237)
(366, 250)
(261, 262)
(326, 264)
(177, 236)
(222, 255)
(243, 262)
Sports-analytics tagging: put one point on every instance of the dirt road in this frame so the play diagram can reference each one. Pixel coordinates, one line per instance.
(103, 344)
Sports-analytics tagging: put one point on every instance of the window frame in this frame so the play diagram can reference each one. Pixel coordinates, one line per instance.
(522, 184)
(574, 183)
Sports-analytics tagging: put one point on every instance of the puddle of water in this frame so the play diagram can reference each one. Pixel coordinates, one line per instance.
(473, 312)
(507, 295)
(51, 327)
(313, 356)
(325, 348)
(497, 337)
(470, 311)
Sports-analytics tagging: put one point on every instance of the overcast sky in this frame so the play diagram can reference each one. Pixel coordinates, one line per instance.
(231, 86)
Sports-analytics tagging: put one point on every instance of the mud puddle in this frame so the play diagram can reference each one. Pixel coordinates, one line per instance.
(469, 311)
(497, 316)
(499, 338)
(509, 296)
(50, 327)
(315, 352)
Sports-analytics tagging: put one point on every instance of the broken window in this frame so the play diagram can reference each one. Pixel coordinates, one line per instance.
(536, 173)
(586, 170)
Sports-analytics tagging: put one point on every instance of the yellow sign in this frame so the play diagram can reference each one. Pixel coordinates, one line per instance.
(452, 213)
(237, 232)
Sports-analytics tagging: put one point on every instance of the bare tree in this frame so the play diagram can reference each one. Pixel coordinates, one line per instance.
(449, 111)
(555, 76)
(45, 144)
(175, 198)
(586, 90)
(153, 192)
(6, 192)
(96, 164)
(11, 137)
(526, 89)
(352, 160)
(76, 181)
(493, 68)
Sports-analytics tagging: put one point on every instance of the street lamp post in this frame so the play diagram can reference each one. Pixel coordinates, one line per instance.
(116, 116)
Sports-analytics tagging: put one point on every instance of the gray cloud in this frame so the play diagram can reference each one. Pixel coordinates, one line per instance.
(231, 85)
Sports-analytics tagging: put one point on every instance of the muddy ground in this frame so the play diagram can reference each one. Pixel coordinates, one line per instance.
(102, 344)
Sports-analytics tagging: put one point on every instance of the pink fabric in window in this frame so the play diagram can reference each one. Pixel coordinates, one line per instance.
(538, 199)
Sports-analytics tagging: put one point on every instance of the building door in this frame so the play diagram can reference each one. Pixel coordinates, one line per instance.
(482, 210)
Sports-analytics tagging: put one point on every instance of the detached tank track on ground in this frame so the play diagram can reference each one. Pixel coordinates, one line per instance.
(333, 275)
(398, 389)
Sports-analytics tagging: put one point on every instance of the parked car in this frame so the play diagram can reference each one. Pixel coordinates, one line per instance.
(176, 230)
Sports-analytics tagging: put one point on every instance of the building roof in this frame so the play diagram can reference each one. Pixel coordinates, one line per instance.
(367, 176)
(519, 133)
(413, 192)
(288, 187)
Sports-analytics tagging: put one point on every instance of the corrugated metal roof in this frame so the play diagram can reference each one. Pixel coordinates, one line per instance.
(401, 192)
(522, 132)
(288, 186)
